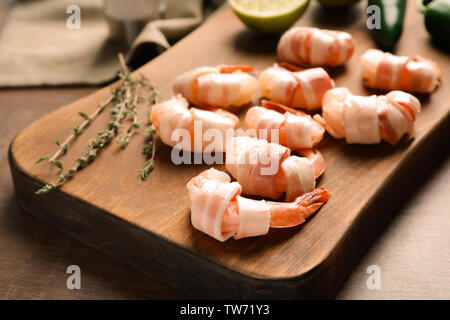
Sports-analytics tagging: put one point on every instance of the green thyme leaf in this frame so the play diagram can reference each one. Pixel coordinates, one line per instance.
(58, 163)
(43, 159)
(45, 189)
(147, 149)
(124, 99)
(84, 116)
(77, 130)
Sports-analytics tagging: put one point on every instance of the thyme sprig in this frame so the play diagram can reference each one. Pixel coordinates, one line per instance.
(154, 94)
(124, 139)
(120, 100)
(93, 148)
(77, 130)
(149, 150)
(123, 100)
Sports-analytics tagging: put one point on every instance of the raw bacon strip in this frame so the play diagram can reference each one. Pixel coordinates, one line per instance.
(333, 112)
(299, 89)
(300, 176)
(254, 163)
(172, 115)
(393, 123)
(361, 120)
(254, 218)
(186, 83)
(267, 169)
(298, 131)
(405, 102)
(277, 84)
(210, 194)
(295, 131)
(382, 70)
(315, 47)
(218, 209)
(264, 122)
(367, 120)
(220, 86)
(191, 129)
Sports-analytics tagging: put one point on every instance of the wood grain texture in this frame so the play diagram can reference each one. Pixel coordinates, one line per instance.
(34, 256)
(311, 261)
(413, 252)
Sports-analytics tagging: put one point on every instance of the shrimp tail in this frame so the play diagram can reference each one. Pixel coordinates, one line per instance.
(287, 215)
(316, 158)
(291, 67)
(232, 68)
(272, 105)
(312, 201)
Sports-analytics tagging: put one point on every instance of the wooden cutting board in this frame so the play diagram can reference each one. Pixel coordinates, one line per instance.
(147, 224)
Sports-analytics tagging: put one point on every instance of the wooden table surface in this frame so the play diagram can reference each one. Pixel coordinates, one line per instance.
(413, 252)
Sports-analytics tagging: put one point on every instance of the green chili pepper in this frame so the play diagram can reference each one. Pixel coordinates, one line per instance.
(437, 18)
(391, 22)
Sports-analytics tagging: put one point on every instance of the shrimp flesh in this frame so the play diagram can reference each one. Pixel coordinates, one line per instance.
(382, 70)
(315, 47)
(368, 120)
(293, 128)
(174, 121)
(268, 170)
(295, 87)
(219, 210)
(221, 86)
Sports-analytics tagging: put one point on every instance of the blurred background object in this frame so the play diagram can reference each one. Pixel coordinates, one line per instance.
(126, 19)
(337, 3)
(437, 19)
(392, 14)
(37, 47)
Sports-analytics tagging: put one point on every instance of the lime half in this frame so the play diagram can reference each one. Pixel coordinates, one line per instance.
(269, 16)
